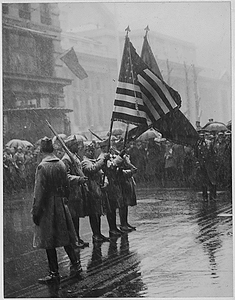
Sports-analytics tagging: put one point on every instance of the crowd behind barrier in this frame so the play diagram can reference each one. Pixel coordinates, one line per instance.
(159, 163)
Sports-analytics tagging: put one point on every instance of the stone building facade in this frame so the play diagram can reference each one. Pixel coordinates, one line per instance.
(32, 88)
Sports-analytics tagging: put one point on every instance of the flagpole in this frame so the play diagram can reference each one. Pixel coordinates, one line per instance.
(132, 73)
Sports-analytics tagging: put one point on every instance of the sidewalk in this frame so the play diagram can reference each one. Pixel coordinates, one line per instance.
(183, 247)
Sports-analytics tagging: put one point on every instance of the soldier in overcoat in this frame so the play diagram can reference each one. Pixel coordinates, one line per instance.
(206, 162)
(91, 167)
(112, 188)
(77, 181)
(53, 223)
(127, 183)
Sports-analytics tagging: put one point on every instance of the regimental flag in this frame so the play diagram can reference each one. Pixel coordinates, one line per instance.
(149, 59)
(71, 60)
(162, 103)
(128, 104)
(158, 100)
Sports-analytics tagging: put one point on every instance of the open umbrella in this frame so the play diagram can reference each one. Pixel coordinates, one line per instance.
(215, 127)
(149, 134)
(15, 143)
(229, 125)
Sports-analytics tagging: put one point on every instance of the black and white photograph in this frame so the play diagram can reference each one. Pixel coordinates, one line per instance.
(117, 149)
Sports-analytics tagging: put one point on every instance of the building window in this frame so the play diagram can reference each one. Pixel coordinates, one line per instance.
(5, 8)
(45, 13)
(25, 11)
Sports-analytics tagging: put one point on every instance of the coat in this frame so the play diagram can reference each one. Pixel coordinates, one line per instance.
(55, 228)
(206, 157)
(113, 187)
(78, 193)
(127, 183)
(96, 198)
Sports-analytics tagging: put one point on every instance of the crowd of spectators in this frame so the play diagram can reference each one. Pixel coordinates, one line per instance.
(160, 163)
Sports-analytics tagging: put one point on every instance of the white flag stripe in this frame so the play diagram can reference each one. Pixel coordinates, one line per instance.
(162, 86)
(128, 86)
(151, 108)
(153, 92)
(130, 99)
(129, 111)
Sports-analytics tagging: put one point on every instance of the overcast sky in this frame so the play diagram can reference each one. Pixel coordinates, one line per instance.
(206, 24)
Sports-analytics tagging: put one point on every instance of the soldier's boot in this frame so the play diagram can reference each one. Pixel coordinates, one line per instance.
(113, 230)
(204, 193)
(123, 213)
(75, 268)
(53, 276)
(95, 223)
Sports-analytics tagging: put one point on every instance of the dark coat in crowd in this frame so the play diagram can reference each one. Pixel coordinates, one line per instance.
(206, 156)
(96, 200)
(55, 226)
(78, 193)
(113, 188)
(127, 183)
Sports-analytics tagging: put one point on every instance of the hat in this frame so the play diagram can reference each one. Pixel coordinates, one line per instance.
(89, 146)
(104, 143)
(72, 140)
(46, 145)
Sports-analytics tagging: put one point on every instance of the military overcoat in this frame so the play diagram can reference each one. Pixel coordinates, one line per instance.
(51, 191)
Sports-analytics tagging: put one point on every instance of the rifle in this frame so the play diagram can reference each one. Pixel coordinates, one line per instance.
(68, 152)
(99, 138)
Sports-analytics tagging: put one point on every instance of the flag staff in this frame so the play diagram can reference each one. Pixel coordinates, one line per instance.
(146, 30)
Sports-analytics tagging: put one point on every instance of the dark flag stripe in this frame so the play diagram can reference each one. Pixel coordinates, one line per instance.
(128, 105)
(128, 92)
(163, 88)
(156, 89)
(151, 102)
(150, 114)
(128, 118)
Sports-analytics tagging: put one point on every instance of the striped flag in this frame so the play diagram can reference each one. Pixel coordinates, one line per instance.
(172, 123)
(157, 98)
(71, 61)
(128, 104)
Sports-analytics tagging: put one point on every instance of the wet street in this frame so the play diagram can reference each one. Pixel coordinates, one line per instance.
(183, 247)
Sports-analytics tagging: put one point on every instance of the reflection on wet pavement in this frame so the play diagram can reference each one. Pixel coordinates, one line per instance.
(182, 248)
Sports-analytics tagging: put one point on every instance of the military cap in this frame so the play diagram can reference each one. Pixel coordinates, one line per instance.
(89, 146)
(46, 145)
(72, 140)
(104, 143)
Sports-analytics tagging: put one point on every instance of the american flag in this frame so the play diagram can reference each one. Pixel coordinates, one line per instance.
(128, 104)
(158, 99)
(168, 118)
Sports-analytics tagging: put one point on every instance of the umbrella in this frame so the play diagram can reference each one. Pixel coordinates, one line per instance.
(149, 134)
(18, 143)
(229, 125)
(215, 127)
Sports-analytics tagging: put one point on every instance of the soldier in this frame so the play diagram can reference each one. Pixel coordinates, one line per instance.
(112, 188)
(126, 172)
(96, 200)
(78, 188)
(205, 156)
(53, 223)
